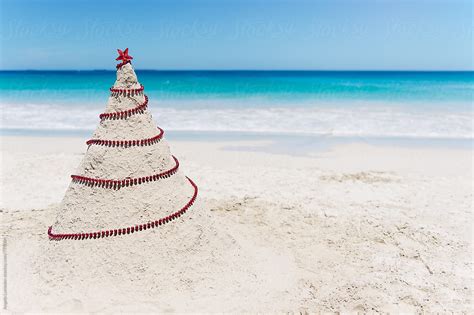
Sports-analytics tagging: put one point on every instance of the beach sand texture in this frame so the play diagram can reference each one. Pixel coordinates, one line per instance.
(352, 228)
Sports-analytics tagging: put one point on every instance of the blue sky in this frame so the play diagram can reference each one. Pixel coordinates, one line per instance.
(220, 34)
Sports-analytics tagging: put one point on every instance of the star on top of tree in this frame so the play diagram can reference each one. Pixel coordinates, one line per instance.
(124, 56)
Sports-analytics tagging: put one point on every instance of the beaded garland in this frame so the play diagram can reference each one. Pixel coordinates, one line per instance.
(127, 230)
(128, 143)
(140, 109)
(127, 92)
(117, 184)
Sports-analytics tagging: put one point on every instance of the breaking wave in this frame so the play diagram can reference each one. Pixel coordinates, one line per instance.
(343, 120)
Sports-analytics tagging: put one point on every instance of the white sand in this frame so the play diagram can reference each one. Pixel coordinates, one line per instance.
(355, 228)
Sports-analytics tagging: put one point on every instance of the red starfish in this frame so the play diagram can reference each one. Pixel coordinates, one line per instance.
(124, 56)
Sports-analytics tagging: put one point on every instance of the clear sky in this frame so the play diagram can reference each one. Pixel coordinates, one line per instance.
(224, 34)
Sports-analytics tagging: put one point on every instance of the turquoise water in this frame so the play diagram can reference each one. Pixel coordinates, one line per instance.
(338, 103)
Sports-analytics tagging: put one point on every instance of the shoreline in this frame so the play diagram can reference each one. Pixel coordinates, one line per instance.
(288, 141)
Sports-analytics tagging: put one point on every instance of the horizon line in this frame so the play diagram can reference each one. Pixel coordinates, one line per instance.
(254, 70)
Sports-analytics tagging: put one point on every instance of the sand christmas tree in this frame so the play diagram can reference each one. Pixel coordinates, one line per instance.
(128, 181)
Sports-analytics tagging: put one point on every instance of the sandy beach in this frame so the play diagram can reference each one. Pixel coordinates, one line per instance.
(352, 227)
(236, 157)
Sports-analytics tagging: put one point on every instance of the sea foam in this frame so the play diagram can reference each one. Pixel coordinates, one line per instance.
(331, 120)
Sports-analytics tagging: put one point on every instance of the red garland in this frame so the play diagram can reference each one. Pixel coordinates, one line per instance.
(128, 92)
(127, 230)
(117, 184)
(140, 109)
(127, 143)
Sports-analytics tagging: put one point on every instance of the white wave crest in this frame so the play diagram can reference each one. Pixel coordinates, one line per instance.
(370, 121)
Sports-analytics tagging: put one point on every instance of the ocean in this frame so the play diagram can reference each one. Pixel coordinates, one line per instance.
(346, 104)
